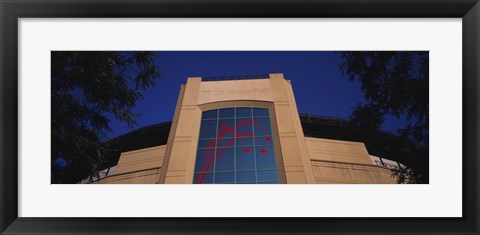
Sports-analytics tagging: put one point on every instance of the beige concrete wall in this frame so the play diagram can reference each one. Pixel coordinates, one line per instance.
(182, 143)
(345, 173)
(344, 162)
(257, 89)
(292, 144)
(301, 160)
(275, 89)
(331, 162)
(337, 151)
(141, 177)
(141, 166)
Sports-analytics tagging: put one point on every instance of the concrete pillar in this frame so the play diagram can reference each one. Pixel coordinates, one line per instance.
(294, 150)
(180, 154)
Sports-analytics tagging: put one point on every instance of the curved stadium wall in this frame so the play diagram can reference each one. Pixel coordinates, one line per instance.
(305, 149)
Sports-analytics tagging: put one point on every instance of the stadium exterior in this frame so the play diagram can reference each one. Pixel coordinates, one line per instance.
(246, 130)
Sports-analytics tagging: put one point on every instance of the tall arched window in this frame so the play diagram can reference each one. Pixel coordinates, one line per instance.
(235, 146)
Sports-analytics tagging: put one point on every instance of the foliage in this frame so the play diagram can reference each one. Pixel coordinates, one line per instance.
(88, 87)
(394, 83)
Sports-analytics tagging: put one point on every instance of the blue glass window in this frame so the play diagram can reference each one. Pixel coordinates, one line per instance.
(243, 112)
(265, 158)
(225, 128)
(244, 141)
(212, 114)
(262, 126)
(227, 113)
(236, 147)
(208, 129)
(260, 112)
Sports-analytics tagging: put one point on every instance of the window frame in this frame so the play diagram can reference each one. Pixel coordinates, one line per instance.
(273, 124)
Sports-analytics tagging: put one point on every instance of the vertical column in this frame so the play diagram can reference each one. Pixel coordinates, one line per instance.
(294, 150)
(179, 161)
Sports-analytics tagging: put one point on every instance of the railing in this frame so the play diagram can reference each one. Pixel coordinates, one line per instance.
(226, 78)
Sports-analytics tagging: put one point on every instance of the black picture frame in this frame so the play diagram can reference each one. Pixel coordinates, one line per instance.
(11, 11)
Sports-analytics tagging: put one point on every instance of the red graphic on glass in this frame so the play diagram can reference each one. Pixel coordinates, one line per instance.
(209, 155)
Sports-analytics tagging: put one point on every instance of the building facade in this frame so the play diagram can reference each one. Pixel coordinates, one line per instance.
(245, 130)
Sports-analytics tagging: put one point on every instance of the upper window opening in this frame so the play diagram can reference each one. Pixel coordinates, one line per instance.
(235, 147)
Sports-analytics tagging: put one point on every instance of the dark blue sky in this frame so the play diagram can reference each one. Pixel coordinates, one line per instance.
(318, 84)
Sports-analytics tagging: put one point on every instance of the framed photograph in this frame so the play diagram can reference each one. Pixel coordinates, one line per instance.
(295, 117)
